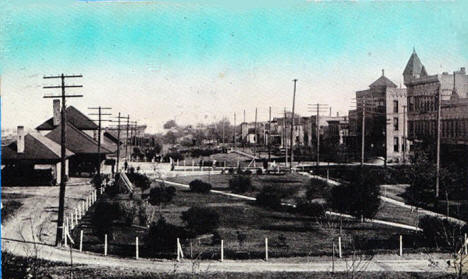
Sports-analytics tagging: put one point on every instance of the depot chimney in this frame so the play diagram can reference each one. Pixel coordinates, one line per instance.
(20, 139)
(56, 107)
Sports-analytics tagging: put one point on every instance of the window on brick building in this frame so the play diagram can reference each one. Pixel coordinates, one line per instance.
(396, 144)
(395, 123)
(395, 106)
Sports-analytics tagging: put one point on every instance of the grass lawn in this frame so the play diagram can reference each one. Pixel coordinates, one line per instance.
(294, 182)
(244, 227)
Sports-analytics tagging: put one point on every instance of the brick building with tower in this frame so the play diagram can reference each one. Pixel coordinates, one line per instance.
(424, 93)
(383, 106)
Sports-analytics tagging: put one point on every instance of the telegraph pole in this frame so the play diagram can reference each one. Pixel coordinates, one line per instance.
(284, 140)
(235, 128)
(224, 121)
(269, 134)
(118, 140)
(363, 132)
(99, 114)
(439, 97)
(404, 135)
(126, 137)
(319, 107)
(292, 125)
(63, 121)
(256, 137)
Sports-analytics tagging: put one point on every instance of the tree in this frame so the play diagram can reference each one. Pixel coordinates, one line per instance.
(240, 184)
(162, 236)
(170, 124)
(200, 220)
(199, 186)
(359, 197)
(161, 195)
(271, 197)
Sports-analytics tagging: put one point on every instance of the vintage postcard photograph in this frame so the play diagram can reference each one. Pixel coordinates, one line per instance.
(234, 139)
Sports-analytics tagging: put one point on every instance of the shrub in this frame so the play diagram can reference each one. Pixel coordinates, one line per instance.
(162, 236)
(317, 189)
(161, 195)
(199, 186)
(270, 197)
(360, 197)
(107, 212)
(200, 220)
(309, 208)
(139, 180)
(259, 171)
(442, 233)
(240, 184)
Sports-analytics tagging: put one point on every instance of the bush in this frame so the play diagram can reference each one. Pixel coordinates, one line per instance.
(259, 172)
(139, 180)
(199, 186)
(317, 189)
(271, 197)
(360, 197)
(313, 209)
(240, 184)
(162, 236)
(161, 195)
(442, 233)
(200, 220)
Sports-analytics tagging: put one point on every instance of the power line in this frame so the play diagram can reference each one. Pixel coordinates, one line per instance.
(63, 96)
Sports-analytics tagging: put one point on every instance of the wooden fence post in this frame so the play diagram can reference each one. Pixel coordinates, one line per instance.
(66, 231)
(339, 246)
(178, 251)
(81, 240)
(466, 250)
(105, 245)
(71, 220)
(222, 250)
(266, 249)
(136, 248)
(401, 245)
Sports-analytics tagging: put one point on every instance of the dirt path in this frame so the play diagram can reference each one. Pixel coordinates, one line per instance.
(36, 219)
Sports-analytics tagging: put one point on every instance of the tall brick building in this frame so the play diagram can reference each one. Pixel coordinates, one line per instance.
(424, 92)
(385, 117)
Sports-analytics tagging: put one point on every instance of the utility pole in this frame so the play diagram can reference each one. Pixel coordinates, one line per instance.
(284, 140)
(63, 125)
(363, 131)
(126, 137)
(438, 143)
(292, 125)
(118, 140)
(99, 114)
(318, 109)
(235, 128)
(404, 134)
(269, 134)
(224, 121)
(256, 137)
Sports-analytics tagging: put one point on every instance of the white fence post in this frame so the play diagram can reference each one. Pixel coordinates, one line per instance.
(66, 236)
(339, 246)
(222, 250)
(105, 245)
(466, 250)
(136, 248)
(178, 251)
(401, 245)
(81, 240)
(76, 217)
(266, 249)
(71, 220)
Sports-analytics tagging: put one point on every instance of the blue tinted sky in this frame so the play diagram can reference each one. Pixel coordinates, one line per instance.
(201, 60)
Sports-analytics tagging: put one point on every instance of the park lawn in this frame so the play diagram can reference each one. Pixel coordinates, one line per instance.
(398, 214)
(292, 182)
(289, 234)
